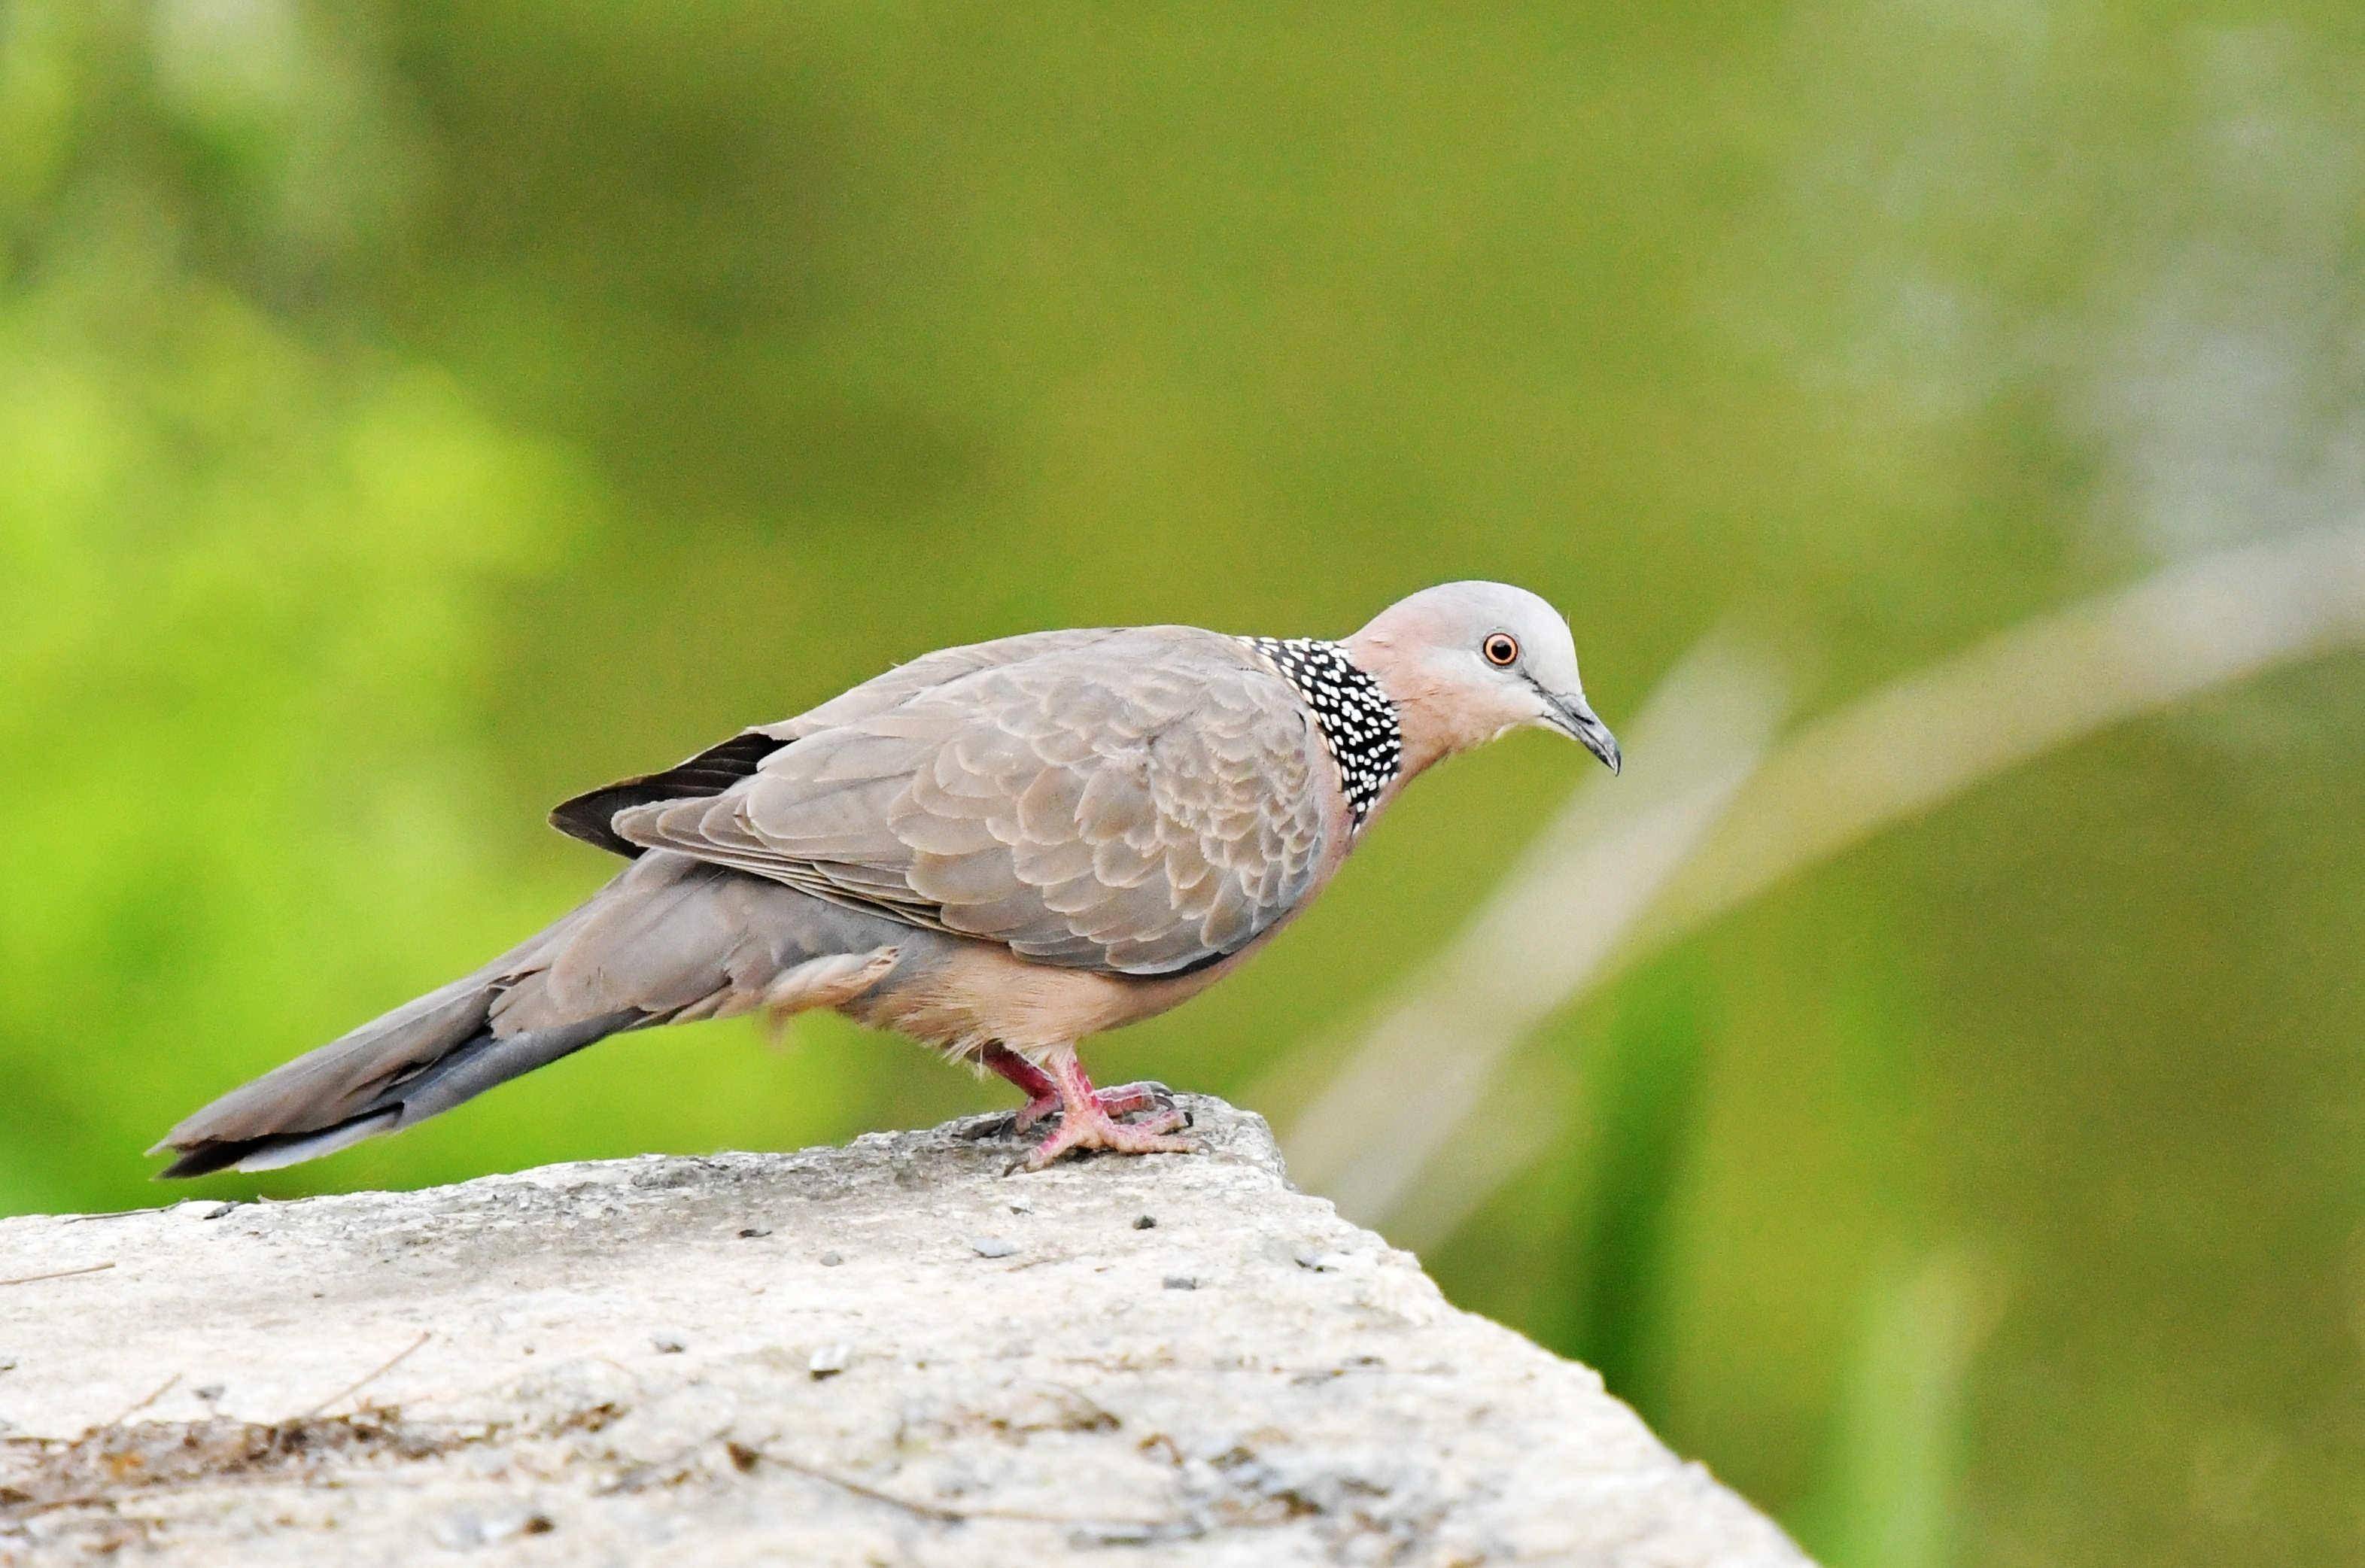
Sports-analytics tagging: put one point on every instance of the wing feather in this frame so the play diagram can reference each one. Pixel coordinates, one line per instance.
(1141, 801)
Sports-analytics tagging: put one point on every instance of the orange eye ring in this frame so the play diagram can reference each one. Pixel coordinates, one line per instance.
(1502, 649)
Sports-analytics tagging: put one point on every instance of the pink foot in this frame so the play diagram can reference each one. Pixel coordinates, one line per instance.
(1043, 1094)
(1088, 1118)
(1125, 1099)
(1128, 1098)
(1095, 1129)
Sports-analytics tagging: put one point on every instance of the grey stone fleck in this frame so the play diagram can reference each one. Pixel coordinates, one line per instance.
(1325, 1261)
(460, 1530)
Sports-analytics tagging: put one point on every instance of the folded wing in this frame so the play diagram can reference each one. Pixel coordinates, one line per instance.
(1143, 802)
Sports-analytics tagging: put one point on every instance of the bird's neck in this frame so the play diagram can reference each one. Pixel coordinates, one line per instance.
(1358, 724)
(1434, 725)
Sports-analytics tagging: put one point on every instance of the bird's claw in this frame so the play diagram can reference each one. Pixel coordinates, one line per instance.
(987, 1128)
(1116, 1103)
(1131, 1099)
(1099, 1130)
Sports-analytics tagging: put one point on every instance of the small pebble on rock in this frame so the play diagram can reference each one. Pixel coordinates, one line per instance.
(751, 1231)
(829, 1360)
(459, 1530)
(991, 1247)
(1147, 1221)
(666, 1345)
(1180, 1283)
(1123, 1533)
(514, 1523)
(1330, 1263)
(831, 1260)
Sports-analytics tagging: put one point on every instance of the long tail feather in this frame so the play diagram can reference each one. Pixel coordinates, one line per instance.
(462, 1073)
(392, 1072)
(670, 938)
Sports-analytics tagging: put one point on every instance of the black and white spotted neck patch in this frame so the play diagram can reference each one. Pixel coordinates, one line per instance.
(1357, 720)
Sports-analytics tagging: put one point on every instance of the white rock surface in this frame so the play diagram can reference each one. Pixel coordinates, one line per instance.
(886, 1353)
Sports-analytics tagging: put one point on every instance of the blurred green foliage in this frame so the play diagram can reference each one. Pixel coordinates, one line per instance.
(411, 415)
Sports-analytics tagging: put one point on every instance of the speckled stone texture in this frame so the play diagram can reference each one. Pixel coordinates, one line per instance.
(888, 1353)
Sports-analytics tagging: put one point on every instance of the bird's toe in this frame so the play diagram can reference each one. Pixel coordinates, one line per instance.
(1151, 1135)
(1129, 1099)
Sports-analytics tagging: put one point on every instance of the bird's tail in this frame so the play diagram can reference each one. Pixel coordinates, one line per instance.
(422, 1058)
(666, 940)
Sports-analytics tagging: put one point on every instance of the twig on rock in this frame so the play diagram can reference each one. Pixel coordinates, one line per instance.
(369, 1377)
(137, 1405)
(937, 1512)
(57, 1275)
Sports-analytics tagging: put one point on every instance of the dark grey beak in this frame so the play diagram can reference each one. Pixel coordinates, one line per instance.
(1571, 714)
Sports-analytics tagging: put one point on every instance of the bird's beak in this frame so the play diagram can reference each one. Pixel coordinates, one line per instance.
(1571, 715)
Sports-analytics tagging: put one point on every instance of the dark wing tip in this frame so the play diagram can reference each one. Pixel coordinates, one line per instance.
(205, 1159)
(588, 817)
(591, 816)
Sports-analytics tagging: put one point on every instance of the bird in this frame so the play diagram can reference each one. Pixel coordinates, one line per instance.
(998, 850)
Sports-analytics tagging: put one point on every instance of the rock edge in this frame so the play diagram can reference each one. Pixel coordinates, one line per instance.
(888, 1352)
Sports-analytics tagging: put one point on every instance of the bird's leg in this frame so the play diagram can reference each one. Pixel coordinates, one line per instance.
(1043, 1095)
(1085, 1121)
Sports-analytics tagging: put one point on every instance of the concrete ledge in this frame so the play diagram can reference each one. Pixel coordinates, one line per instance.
(886, 1353)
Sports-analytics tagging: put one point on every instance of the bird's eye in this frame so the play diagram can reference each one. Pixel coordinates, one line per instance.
(1502, 650)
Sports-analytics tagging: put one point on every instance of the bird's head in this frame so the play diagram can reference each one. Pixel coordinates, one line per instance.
(1466, 663)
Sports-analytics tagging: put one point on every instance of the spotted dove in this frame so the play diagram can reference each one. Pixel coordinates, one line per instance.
(997, 850)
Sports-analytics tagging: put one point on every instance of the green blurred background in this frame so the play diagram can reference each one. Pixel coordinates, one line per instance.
(411, 415)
